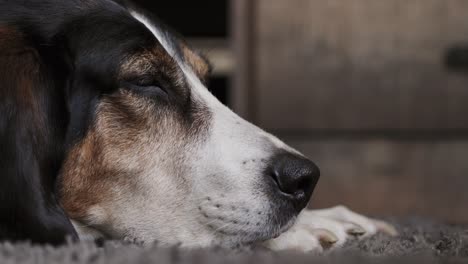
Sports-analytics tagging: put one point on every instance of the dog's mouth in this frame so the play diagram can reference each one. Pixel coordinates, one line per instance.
(234, 223)
(268, 209)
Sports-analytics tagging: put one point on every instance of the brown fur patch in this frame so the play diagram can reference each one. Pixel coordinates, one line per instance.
(87, 179)
(81, 175)
(199, 65)
(11, 41)
(154, 61)
(21, 74)
(95, 170)
(18, 65)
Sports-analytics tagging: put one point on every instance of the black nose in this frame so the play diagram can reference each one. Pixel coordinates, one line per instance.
(295, 176)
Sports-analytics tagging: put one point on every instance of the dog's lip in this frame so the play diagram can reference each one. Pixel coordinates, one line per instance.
(288, 225)
(275, 219)
(278, 231)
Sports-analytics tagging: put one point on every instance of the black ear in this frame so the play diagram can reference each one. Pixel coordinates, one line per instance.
(33, 121)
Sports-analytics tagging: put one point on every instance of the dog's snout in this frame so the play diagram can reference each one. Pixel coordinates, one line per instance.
(295, 176)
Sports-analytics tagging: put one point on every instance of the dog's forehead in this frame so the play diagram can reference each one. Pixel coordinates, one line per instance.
(175, 47)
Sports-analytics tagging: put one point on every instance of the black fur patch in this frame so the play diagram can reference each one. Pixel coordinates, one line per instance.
(58, 58)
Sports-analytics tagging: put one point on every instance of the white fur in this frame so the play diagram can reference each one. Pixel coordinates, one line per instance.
(313, 227)
(222, 206)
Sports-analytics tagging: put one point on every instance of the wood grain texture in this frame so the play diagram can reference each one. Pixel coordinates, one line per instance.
(241, 20)
(359, 65)
(392, 178)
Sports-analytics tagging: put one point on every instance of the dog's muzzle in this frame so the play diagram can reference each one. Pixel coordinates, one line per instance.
(295, 178)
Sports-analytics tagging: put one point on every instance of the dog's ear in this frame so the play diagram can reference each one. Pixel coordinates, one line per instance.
(33, 120)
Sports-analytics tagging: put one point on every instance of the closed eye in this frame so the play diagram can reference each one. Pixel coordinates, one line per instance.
(148, 90)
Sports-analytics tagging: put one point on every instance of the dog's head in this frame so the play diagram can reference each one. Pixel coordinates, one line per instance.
(149, 153)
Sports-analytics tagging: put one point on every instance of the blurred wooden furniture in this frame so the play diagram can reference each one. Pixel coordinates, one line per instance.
(361, 87)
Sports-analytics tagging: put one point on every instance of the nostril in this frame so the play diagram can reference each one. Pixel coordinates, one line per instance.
(303, 185)
(275, 176)
(289, 187)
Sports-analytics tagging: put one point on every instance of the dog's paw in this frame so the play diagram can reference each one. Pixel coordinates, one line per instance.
(321, 230)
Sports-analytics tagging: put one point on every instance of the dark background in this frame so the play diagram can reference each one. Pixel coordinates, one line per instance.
(376, 92)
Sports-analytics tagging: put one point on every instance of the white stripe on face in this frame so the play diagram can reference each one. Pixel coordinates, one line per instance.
(160, 36)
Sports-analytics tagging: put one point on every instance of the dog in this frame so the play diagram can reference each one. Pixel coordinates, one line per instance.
(107, 130)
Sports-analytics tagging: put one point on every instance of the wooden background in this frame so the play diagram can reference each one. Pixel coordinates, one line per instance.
(361, 87)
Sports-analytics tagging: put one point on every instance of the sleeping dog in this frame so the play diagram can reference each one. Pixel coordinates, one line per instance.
(107, 130)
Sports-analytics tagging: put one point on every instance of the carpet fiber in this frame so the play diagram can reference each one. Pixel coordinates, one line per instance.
(419, 241)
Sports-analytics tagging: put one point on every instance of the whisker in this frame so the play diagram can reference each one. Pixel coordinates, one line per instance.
(221, 227)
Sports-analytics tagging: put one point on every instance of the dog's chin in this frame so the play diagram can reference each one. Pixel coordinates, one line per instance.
(253, 238)
(225, 238)
(243, 219)
(233, 225)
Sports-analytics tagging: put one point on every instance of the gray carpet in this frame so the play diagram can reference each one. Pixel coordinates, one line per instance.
(420, 241)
